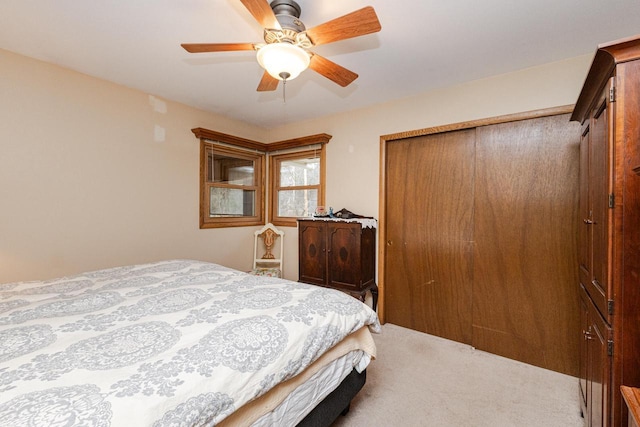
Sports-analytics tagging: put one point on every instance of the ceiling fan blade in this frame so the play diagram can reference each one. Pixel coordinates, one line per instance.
(216, 47)
(332, 71)
(354, 24)
(267, 83)
(263, 13)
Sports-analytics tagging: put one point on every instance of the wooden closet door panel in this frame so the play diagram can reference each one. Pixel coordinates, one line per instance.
(429, 219)
(525, 298)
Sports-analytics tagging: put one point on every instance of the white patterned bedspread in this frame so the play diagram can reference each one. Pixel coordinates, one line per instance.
(165, 344)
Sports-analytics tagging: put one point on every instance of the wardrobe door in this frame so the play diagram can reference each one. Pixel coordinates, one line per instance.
(429, 220)
(525, 299)
(598, 286)
(585, 222)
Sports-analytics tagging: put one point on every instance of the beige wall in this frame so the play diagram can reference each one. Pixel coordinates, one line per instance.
(87, 181)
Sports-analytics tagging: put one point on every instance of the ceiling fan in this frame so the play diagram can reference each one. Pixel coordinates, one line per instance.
(285, 53)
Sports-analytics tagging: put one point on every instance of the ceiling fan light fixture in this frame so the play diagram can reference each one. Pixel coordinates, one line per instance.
(283, 61)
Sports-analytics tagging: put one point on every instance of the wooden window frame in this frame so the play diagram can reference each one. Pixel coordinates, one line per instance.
(206, 221)
(274, 182)
(246, 147)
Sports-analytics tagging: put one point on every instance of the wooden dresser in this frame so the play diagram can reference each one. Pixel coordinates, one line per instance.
(609, 238)
(339, 254)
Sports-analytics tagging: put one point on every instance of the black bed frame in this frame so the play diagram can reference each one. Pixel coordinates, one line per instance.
(336, 403)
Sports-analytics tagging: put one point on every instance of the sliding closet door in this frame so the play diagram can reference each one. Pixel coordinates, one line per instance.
(525, 301)
(429, 220)
(480, 247)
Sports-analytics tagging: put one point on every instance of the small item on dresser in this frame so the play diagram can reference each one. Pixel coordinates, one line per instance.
(345, 214)
(320, 212)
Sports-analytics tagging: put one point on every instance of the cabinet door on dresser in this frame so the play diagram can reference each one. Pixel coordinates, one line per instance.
(312, 260)
(343, 256)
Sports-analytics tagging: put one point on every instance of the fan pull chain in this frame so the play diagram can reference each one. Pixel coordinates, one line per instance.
(284, 76)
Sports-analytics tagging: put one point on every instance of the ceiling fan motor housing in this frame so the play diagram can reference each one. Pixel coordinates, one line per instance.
(288, 13)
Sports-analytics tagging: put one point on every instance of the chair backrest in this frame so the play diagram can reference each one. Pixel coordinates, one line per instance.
(267, 238)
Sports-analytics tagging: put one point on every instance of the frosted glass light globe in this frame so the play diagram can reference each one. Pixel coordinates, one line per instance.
(283, 60)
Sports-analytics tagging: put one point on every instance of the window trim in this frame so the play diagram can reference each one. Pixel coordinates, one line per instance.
(274, 182)
(259, 187)
(243, 145)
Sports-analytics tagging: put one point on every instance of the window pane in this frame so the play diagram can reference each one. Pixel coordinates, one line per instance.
(300, 172)
(230, 170)
(297, 203)
(226, 202)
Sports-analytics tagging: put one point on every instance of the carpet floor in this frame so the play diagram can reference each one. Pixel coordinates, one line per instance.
(421, 380)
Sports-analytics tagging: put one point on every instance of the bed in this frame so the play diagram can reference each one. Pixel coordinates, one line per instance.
(179, 343)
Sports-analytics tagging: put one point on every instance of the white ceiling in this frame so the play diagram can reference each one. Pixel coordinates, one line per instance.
(424, 44)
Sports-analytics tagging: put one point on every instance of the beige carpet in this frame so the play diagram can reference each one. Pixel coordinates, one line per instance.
(422, 380)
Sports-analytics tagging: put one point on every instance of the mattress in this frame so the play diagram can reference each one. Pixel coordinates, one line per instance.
(289, 402)
(177, 342)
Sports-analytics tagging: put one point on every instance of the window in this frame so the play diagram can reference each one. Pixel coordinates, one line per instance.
(232, 179)
(231, 187)
(296, 185)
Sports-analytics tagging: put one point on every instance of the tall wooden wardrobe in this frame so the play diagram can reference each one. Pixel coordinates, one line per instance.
(609, 235)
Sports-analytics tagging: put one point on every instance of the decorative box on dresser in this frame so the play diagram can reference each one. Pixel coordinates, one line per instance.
(609, 239)
(339, 254)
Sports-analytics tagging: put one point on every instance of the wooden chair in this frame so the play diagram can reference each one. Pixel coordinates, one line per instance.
(268, 264)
